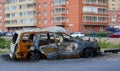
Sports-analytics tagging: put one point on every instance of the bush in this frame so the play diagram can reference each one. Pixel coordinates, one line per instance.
(98, 34)
(4, 43)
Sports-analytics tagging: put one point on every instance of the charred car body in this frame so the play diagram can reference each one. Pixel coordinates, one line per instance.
(50, 43)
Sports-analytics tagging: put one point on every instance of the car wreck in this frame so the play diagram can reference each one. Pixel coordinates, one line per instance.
(50, 43)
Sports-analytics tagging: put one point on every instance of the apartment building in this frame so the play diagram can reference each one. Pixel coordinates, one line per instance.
(1, 15)
(73, 15)
(20, 14)
(114, 12)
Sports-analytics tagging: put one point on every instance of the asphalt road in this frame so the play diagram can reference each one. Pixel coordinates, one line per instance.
(107, 62)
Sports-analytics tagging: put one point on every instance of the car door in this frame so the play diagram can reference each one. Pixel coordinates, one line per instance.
(48, 45)
(14, 44)
(67, 47)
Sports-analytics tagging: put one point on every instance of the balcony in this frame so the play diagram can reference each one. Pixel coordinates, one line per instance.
(95, 2)
(60, 3)
(19, 25)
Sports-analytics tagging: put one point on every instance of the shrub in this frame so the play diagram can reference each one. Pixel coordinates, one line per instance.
(98, 34)
(4, 43)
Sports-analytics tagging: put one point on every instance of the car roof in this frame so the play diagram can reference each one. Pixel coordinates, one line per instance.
(54, 29)
(46, 29)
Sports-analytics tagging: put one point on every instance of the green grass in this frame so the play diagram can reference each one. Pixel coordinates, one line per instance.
(4, 52)
(4, 43)
(104, 44)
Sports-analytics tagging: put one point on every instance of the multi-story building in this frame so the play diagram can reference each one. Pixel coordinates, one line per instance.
(20, 14)
(114, 12)
(1, 15)
(73, 15)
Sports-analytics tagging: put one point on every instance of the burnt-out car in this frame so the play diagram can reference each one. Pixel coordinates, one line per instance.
(50, 43)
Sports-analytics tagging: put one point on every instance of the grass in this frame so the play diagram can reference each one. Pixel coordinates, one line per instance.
(104, 44)
(4, 46)
(4, 52)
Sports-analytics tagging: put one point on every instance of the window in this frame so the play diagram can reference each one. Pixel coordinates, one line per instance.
(60, 2)
(45, 5)
(31, 5)
(31, 13)
(22, 0)
(52, 12)
(7, 15)
(39, 6)
(67, 11)
(52, 4)
(45, 21)
(90, 9)
(113, 0)
(0, 4)
(0, 23)
(39, 14)
(13, 7)
(45, 13)
(39, 21)
(22, 6)
(0, 17)
(23, 14)
(60, 19)
(101, 28)
(67, 19)
(52, 20)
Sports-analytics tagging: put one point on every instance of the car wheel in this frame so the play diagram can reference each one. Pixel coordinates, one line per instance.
(89, 52)
(33, 56)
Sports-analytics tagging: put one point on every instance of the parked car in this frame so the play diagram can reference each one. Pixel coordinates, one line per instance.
(50, 43)
(77, 34)
(9, 34)
(3, 33)
(114, 35)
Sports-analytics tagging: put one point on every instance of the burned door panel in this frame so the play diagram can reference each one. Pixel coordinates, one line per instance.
(49, 50)
(67, 47)
(48, 45)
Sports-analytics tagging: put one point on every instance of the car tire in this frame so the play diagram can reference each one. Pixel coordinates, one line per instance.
(88, 53)
(33, 56)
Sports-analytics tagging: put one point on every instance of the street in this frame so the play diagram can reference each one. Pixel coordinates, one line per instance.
(107, 62)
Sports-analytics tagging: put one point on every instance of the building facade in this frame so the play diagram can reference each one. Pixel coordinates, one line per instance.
(114, 12)
(73, 15)
(1, 15)
(20, 14)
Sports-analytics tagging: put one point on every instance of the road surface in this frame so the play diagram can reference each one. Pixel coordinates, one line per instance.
(107, 62)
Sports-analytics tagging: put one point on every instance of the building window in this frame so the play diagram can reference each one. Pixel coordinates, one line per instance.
(45, 21)
(22, 6)
(39, 21)
(31, 5)
(0, 23)
(101, 28)
(39, 14)
(60, 2)
(67, 19)
(90, 9)
(39, 6)
(45, 13)
(67, 2)
(52, 20)
(45, 5)
(67, 11)
(113, 0)
(52, 12)
(22, 0)
(52, 4)
(0, 17)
